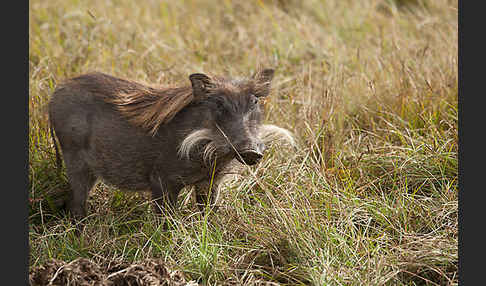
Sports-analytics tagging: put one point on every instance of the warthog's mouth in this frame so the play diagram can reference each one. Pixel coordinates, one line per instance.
(249, 157)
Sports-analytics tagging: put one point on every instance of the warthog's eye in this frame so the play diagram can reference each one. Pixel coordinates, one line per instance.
(253, 101)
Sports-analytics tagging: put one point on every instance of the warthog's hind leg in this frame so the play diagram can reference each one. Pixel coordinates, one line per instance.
(81, 181)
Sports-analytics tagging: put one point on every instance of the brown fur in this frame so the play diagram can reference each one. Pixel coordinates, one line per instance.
(144, 106)
(149, 109)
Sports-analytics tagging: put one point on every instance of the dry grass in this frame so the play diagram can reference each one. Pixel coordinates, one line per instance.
(369, 89)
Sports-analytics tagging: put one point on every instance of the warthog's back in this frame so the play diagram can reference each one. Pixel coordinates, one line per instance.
(89, 127)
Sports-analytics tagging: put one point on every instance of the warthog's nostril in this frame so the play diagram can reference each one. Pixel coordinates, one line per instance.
(250, 157)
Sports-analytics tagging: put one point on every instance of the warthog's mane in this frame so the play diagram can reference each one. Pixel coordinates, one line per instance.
(149, 107)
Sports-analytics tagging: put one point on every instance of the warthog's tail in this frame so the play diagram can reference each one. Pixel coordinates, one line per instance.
(58, 158)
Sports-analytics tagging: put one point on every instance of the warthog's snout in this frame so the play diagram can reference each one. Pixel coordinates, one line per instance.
(249, 157)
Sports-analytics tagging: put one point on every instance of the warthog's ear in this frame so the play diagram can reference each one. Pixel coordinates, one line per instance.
(200, 84)
(264, 75)
(263, 80)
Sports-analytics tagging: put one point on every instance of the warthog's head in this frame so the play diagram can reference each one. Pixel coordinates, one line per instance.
(231, 113)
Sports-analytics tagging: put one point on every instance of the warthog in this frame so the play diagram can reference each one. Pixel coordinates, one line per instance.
(136, 137)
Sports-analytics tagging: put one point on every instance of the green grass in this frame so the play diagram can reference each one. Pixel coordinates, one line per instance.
(369, 89)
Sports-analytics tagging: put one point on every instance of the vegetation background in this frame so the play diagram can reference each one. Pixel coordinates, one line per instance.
(368, 88)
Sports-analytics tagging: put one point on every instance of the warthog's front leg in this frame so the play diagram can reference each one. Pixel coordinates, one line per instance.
(205, 190)
(164, 193)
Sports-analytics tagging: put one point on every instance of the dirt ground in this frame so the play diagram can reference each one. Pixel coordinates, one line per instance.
(82, 271)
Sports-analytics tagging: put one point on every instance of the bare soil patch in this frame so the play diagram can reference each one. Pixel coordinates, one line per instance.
(83, 271)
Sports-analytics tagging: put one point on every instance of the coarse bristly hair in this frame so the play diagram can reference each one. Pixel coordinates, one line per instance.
(151, 108)
(196, 138)
(143, 106)
(269, 133)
